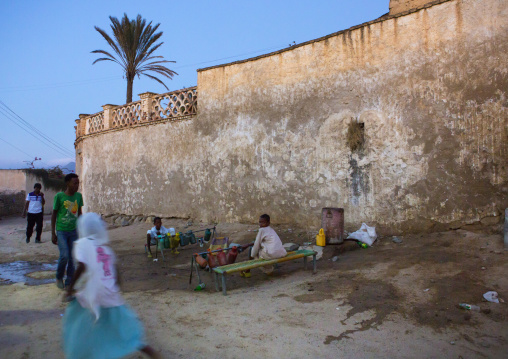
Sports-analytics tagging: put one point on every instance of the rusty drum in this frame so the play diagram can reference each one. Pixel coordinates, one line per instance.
(332, 221)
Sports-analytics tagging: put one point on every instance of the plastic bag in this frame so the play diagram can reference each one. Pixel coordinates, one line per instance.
(365, 234)
(491, 297)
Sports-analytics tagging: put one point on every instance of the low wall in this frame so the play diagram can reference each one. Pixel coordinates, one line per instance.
(14, 186)
(271, 134)
(12, 203)
(12, 181)
(12, 192)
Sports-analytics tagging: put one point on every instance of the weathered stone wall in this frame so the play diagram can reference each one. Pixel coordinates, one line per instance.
(12, 180)
(398, 6)
(271, 133)
(11, 203)
(12, 192)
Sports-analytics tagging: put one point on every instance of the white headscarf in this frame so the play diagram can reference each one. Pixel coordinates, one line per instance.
(91, 225)
(92, 232)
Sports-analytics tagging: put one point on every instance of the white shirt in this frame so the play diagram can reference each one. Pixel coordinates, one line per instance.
(100, 275)
(35, 205)
(268, 245)
(153, 233)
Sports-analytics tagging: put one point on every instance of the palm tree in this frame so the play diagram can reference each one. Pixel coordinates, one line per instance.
(134, 44)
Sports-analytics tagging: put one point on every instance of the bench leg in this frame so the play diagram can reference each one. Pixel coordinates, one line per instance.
(216, 280)
(305, 263)
(191, 270)
(224, 284)
(197, 271)
(314, 267)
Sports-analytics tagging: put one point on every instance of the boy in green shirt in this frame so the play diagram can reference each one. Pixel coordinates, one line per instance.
(66, 210)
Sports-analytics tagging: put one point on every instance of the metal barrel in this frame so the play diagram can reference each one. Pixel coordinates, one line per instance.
(332, 222)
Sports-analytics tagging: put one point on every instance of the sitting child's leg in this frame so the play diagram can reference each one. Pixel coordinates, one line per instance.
(268, 270)
(148, 242)
(246, 273)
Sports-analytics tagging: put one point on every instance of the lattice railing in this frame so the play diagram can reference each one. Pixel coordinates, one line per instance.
(127, 115)
(175, 104)
(151, 107)
(96, 123)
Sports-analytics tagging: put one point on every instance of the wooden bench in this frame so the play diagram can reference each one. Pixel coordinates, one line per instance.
(255, 263)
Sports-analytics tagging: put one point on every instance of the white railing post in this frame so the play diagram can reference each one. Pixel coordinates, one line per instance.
(83, 123)
(146, 105)
(108, 116)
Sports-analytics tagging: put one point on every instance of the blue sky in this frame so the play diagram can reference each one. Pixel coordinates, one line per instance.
(46, 72)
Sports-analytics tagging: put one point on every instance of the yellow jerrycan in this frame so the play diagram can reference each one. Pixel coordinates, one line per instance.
(320, 238)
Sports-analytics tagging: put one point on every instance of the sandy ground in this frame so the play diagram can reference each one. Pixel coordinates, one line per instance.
(388, 301)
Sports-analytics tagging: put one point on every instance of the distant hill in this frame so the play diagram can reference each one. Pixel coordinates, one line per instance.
(69, 168)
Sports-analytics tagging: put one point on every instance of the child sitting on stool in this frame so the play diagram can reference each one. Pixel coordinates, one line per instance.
(151, 235)
(267, 246)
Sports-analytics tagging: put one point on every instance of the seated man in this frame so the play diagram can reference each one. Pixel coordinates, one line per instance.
(151, 234)
(267, 246)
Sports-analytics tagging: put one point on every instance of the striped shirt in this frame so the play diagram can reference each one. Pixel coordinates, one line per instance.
(35, 205)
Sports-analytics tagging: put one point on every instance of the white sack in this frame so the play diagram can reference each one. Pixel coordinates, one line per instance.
(365, 234)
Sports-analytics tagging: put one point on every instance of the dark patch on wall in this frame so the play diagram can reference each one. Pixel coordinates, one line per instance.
(448, 186)
(358, 180)
(482, 92)
(12, 203)
(356, 136)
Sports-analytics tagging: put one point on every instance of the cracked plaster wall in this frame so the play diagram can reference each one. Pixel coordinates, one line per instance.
(270, 134)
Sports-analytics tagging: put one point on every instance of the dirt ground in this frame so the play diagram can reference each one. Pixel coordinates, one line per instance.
(388, 301)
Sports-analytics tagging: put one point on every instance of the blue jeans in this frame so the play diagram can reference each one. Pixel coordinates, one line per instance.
(65, 243)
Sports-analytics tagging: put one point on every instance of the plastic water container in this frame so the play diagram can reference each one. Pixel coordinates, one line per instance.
(172, 231)
(231, 256)
(321, 238)
(208, 234)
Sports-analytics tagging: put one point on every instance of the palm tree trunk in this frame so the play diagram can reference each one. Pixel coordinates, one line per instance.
(130, 82)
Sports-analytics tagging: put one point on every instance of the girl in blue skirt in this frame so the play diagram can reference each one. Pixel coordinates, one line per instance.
(98, 324)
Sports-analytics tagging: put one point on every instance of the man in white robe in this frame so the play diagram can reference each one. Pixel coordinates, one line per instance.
(267, 245)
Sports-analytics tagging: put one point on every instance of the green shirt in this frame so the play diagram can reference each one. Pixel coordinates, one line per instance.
(67, 207)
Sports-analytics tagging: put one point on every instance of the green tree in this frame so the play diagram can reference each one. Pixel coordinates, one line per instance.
(133, 43)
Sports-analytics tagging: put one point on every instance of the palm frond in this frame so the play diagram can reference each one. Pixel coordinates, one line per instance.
(110, 57)
(156, 79)
(109, 41)
(143, 56)
(105, 59)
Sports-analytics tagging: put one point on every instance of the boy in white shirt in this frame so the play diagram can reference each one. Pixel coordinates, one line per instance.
(151, 234)
(267, 246)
